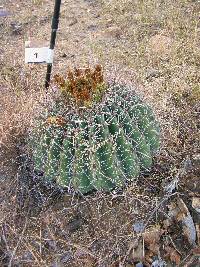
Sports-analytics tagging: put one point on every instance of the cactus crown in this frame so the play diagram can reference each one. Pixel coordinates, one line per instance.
(84, 86)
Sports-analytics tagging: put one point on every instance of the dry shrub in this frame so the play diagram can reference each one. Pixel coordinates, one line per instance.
(20, 101)
(17, 115)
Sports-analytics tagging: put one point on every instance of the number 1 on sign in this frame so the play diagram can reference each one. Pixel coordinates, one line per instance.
(38, 55)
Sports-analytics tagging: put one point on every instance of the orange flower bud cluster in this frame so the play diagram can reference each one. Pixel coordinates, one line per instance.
(81, 83)
(56, 120)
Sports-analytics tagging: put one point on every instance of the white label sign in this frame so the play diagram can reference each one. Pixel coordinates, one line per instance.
(38, 55)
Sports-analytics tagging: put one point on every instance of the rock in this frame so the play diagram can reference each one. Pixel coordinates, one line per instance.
(196, 162)
(66, 257)
(179, 211)
(153, 73)
(139, 264)
(55, 264)
(196, 204)
(27, 256)
(16, 28)
(91, 2)
(64, 55)
(97, 15)
(138, 226)
(159, 263)
(4, 13)
(92, 27)
(72, 21)
(67, 56)
(198, 236)
(51, 244)
(45, 20)
(112, 32)
(74, 224)
(171, 186)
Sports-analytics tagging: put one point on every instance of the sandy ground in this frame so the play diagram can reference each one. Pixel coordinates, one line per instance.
(134, 46)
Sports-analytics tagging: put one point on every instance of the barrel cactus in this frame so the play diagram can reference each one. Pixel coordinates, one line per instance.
(97, 136)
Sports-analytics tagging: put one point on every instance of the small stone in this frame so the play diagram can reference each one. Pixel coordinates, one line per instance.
(158, 263)
(16, 28)
(66, 257)
(139, 264)
(196, 204)
(92, 27)
(45, 20)
(28, 257)
(51, 244)
(75, 224)
(179, 211)
(96, 16)
(91, 2)
(64, 55)
(114, 32)
(196, 162)
(55, 264)
(138, 227)
(153, 73)
(4, 13)
(73, 21)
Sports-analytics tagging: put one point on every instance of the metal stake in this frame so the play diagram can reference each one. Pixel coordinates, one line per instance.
(54, 27)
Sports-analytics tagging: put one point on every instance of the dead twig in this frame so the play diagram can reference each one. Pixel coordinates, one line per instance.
(18, 243)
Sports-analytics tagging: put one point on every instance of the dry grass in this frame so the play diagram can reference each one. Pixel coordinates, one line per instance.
(151, 44)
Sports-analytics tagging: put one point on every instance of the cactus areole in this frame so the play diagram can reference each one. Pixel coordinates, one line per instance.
(97, 136)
